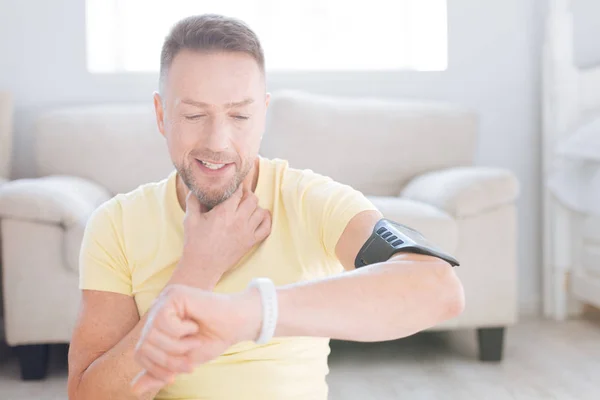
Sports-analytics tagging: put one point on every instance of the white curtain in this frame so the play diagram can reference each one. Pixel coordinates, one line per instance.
(575, 180)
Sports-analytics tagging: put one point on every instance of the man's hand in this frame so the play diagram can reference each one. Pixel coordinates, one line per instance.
(216, 240)
(186, 327)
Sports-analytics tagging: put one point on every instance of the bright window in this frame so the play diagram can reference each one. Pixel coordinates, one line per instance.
(127, 35)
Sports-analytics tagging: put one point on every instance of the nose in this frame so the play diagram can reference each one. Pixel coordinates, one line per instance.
(217, 136)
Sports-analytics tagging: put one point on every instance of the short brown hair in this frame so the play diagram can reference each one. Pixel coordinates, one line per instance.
(210, 33)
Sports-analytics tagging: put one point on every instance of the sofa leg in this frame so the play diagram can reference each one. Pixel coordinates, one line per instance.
(491, 343)
(33, 359)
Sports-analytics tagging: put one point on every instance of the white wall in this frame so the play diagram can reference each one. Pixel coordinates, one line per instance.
(586, 25)
(493, 67)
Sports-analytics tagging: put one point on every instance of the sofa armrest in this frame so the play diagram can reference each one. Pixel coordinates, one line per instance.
(464, 191)
(66, 201)
(63, 200)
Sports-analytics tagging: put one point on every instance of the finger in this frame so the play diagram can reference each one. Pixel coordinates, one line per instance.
(168, 323)
(248, 205)
(144, 382)
(237, 197)
(186, 328)
(157, 371)
(150, 320)
(233, 201)
(256, 218)
(161, 364)
(179, 328)
(172, 345)
(264, 228)
(192, 204)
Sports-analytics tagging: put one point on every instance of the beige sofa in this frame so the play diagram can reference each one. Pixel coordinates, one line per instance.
(6, 138)
(414, 160)
(6, 134)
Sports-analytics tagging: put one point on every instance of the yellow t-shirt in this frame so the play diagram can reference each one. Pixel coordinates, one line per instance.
(133, 242)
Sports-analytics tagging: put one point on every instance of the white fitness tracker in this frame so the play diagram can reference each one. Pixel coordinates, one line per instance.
(268, 296)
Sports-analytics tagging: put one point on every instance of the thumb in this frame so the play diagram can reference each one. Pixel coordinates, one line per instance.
(144, 383)
(234, 200)
(193, 205)
(238, 194)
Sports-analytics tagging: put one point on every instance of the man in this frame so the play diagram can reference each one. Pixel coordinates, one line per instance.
(187, 248)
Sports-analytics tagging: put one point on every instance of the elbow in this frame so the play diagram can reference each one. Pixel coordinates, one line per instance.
(73, 388)
(455, 305)
(72, 392)
(452, 298)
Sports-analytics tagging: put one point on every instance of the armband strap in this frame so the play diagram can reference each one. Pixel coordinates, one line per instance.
(389, 237)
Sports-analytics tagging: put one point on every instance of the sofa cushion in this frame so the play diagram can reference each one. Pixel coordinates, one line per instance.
(373, 145)
(436, 225)
(465, 192)
(116, 146)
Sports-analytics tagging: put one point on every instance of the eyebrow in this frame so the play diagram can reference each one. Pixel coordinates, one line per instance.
(234, 104)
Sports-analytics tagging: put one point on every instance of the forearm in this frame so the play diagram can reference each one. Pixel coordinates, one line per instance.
(380, 302)
(204, 279)
(110, 375)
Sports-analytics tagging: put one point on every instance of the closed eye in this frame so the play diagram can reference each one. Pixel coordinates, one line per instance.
(194, 117)
(241, 117)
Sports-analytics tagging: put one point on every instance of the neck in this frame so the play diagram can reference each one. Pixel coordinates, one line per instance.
(249, 182)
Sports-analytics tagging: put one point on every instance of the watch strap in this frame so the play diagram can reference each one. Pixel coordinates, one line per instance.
(270, 309)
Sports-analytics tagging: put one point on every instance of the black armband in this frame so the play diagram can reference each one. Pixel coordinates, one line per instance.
(389, 238)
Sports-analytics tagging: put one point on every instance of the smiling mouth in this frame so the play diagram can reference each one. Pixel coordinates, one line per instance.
(212, 166)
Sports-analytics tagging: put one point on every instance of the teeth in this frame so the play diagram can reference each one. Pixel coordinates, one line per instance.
(212, 166)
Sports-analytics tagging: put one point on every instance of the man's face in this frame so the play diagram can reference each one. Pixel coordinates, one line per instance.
(212, 115)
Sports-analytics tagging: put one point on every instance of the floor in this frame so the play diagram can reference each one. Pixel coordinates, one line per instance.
(543, 360)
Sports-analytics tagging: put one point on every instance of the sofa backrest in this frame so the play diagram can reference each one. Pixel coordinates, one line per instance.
(117, 146)
(374, 145)
(6, 133)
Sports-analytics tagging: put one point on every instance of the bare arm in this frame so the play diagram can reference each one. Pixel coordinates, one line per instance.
(389, 300)
(384, 301)
(101, 364)
(379, 302)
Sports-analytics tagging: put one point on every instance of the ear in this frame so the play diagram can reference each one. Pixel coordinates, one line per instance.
(160, 113)
(267, 101)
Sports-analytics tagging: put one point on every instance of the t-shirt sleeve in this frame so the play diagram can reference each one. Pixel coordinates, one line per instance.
(102, 259)
(327, 206)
